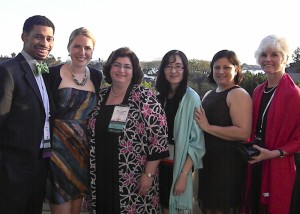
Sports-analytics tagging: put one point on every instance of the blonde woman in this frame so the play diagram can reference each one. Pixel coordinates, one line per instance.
(74, 86)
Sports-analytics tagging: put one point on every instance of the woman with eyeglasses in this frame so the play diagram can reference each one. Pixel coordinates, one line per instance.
(185, 139)
(225, 118)
(129, 138)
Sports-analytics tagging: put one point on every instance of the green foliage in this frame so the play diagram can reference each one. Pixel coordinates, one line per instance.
(199, 66)
(148, 85)
(251, 80)
(150, 68)
(200, 83)
(51, 61)
(202, 88)
(98, 64)
(150, 64)
(205, 87)
(199, 69)
(296, 55)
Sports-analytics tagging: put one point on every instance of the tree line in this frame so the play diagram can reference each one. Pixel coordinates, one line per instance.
(199, 70)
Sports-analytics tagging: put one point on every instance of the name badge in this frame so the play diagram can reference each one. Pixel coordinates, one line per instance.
(46, 149)
(118, 119)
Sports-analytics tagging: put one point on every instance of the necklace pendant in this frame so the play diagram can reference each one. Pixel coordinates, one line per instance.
(84, 80)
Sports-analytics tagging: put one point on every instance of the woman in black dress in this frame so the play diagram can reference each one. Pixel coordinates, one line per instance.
(225, 119)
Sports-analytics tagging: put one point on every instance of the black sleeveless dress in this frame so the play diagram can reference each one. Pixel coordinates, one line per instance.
(223, 175)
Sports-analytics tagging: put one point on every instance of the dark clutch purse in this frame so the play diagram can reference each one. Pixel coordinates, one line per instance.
(246, 149)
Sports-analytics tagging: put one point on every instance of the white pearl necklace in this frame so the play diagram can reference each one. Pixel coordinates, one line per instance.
(266, 92)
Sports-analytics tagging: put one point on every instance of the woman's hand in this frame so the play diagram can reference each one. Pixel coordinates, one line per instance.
(145, 184)
(180, 184)
(200, 117)
(264, 154)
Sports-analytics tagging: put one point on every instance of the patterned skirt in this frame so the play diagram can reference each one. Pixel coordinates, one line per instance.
(69, 164)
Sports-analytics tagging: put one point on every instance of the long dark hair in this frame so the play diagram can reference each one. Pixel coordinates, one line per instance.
(162, 85)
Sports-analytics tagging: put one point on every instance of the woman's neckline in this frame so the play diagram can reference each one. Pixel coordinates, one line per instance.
(220, 91)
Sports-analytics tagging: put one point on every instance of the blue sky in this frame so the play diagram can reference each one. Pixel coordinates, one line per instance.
(151, 28)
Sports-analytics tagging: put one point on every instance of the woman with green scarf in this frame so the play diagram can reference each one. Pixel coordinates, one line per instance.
(185, 138)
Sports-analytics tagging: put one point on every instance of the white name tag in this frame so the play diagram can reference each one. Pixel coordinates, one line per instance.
(118, 119)
(47, 145)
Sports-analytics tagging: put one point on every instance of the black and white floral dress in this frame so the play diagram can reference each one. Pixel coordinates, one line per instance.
(118, 160)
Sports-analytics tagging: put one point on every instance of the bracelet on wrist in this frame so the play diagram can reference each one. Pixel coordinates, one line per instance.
(149, 174)
(185, 173)
(281, 153)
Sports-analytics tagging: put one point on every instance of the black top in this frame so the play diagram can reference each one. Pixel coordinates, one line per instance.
(263, 112)
(170, 106)
(222, 177)
(107, 163)
(257, 167)
(54, 78)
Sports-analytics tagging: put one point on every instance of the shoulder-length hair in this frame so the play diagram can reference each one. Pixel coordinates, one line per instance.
(275, 43)
(137, 73)
(232, 58)
(162, 85)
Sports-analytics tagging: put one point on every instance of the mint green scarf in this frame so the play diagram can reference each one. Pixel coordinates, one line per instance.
(189, 140)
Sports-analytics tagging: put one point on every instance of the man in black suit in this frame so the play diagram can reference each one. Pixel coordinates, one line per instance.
(25, 122)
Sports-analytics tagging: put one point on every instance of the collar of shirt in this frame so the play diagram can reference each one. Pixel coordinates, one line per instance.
(30, 60)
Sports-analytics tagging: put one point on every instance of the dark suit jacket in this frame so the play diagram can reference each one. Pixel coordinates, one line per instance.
(22, 118)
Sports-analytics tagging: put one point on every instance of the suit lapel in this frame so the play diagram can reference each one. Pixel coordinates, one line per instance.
(31, 79)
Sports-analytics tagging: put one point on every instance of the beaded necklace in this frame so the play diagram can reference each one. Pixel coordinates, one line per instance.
(84, 80)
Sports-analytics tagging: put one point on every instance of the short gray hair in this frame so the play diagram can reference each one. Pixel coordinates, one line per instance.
(279, 44)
